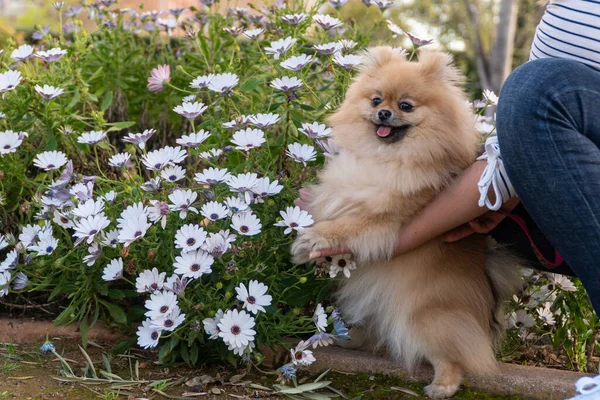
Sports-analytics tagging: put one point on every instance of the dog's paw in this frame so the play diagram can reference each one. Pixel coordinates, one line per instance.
(308, 240)
(438, 391)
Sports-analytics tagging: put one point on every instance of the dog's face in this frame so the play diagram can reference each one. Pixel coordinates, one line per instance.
(408, 112)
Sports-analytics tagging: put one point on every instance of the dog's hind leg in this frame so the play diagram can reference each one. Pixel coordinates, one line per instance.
(448, 376)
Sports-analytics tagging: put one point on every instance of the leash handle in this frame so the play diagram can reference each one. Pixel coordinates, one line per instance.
(523, 225)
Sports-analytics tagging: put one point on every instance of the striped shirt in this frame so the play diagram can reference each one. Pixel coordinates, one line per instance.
(569, 29)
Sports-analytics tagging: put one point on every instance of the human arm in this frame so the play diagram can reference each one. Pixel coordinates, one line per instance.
(453, 211)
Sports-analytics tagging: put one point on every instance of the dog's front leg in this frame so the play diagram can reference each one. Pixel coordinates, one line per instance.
(367, 238)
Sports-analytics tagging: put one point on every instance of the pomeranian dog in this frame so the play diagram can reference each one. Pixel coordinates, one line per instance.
(405, 131)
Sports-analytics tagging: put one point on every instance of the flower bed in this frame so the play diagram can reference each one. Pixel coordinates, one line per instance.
(150, 179)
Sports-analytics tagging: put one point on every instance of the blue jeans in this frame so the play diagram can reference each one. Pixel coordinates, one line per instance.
(548, 122)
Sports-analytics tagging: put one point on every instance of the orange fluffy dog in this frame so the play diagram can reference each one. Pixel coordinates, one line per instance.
(406, 131)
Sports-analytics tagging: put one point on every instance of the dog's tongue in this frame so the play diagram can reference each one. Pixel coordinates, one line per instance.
(384, 130)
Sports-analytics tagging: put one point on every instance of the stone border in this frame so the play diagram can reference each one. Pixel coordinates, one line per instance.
(31, 331)
(511, 379)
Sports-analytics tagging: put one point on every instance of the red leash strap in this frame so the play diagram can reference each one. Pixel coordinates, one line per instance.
(549, 264)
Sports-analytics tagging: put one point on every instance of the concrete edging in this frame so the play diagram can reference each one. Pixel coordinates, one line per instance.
(511, 379)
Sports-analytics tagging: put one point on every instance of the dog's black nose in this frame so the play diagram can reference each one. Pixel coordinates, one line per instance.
(384, 114)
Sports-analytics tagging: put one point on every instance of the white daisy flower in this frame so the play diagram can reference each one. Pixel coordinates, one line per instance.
(320, 318)
(139, 139)
(153, 185)
(50, 160)
(382, 4)
(417, 41)
(87, 228)
(190, 110)
(83, 191)
(173, 173)
(328, 48)
(211, 176)
(234, 30)
(223, 83)
(20, 281)
(348, 44)
(176, 284)
(395, 29)
(158, 211)
(211, 325)
(9, 141)
(236, 204)
(132, 212)
(182, 201)
(11, 261)
(3, 242)
(110, 197)
(254, 297)
(301, 356)
(490, 97)
(280, 46)
(150, 281)
(148, 337)
(22, 53)
(337, 3)
(114, 270)
(51, 55)
(194, 139)
(217, 244)
(287, 84)
(110, 238)
(193, 264)
(201, 81)
(341, 263)
(329, 147)
(563, 282)
(264, 120)
(156, 160)
(253, 33)
(4, 283)
(119, 160)
(348, 61)
(91, 137)
(235, 328)
(296, 63)
(168, 322)
(301, 153)
(246, 224)
(265, 188)
(9, 80)
(48, 92)
(248, 139)
(29, 235)
(175, 154)
(294, 219)
(46, 243)
(315, 130)
(294, 19)
(88, 208)
(160, 303)
(327, 22)
(189, 99)
(189, 238)
(546, 315)
(214, 211)
(237, 123)
(133, 229)
(243, 184)
(211, 154)
(520, 319)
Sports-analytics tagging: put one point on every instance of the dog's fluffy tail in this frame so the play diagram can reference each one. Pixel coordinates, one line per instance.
(502, 270)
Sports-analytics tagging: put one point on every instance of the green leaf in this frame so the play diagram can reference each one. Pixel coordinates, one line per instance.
(117, 126)
(307, 387)
(84, 328)
(96, 74)
(76, 98)
(51, 144)
(106, 102)
(249, 85)
(116, 312)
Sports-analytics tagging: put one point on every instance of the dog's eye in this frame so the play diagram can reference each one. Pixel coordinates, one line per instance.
(406, 107)
(376, 101)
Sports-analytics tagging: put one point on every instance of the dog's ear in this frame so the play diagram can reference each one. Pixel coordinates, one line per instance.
(376, 57)
(437, 65)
